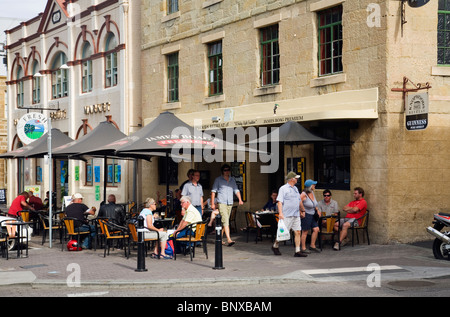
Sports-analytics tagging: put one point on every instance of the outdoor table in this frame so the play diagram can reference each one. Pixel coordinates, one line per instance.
(163, 223)
(20, 236)
(267, 217)
(330, 221)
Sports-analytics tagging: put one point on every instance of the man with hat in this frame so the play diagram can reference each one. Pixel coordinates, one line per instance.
(288, 204)
(76, 209)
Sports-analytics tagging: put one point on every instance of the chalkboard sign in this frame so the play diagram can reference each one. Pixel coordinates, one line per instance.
(238, 171)
(3, 196)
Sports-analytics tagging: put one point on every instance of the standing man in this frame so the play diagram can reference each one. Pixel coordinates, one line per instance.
(194, 190)
(224, 187)
(289, 210)
(355, 210)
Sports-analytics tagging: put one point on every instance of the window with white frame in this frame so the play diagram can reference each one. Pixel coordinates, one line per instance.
(111, 78)
(60, 77)
(36, 83)
(86, 68)
(19, 87)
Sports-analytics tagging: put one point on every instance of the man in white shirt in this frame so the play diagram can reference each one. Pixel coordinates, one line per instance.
(191, 215)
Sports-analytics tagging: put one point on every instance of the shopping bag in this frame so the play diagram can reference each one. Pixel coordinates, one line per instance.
(283, 233)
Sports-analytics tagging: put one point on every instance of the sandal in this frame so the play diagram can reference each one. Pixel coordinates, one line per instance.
(154, 256)
(231, 243)
(166, 257)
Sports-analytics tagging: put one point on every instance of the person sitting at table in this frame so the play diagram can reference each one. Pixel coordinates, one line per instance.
(114, 213)
(19, 203)
(149, 219)
(327, 206)
(272, 202)
(191, 216)
(35, 201)
(78, 210)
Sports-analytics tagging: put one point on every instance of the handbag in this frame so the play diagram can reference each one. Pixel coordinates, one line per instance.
(316, 216)
(283, 233)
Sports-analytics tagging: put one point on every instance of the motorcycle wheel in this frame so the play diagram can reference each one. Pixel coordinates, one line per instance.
(439, 250)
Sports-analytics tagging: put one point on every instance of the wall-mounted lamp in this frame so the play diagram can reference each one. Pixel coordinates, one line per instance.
(38, 75)
(64, 66)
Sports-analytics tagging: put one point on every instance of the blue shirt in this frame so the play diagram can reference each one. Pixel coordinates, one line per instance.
(194, 192)
(224, 190)
(290, 198)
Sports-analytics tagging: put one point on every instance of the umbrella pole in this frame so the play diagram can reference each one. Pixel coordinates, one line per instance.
(105, 178)
(167, 183)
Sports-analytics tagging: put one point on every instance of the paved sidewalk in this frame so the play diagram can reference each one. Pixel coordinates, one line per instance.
(243, 263)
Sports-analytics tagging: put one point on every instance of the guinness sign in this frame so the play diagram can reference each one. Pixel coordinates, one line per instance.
(417, 112)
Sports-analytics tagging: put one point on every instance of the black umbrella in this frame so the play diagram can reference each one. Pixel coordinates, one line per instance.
(291, 133)
(39, 148)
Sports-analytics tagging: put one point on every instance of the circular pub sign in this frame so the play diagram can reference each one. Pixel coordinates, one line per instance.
(31, 127)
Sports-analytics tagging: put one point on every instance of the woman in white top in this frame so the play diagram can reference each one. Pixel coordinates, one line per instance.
(147, 214)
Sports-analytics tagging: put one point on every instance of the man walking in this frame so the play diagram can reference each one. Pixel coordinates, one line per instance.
(288, 204)
(224, 187)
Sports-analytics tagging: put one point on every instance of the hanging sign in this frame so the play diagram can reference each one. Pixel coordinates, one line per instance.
(417, 3)
(31, 127)
(416, 112)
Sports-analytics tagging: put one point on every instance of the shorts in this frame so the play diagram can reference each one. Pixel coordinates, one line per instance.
(353, 222)
(293, 223)
(308, 222)
(154, 235)
(225, 212)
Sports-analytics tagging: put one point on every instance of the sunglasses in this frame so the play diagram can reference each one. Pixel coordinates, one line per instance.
(327, 195)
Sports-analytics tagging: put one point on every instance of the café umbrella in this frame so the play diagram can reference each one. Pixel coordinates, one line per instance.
(291, 133)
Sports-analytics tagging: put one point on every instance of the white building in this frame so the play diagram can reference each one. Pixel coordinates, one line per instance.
(82, 60)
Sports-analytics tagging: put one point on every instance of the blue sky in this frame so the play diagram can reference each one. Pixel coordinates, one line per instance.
(13, 12)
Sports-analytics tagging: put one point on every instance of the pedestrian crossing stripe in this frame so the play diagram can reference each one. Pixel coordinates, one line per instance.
(348, 271)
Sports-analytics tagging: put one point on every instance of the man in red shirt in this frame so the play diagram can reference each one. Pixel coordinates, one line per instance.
(355, 210)
(18, 204)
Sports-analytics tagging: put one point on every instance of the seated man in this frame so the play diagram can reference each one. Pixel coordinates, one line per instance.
(355, 209)
(79, 211)
(272, 202)
(191, 215)
(114, 213)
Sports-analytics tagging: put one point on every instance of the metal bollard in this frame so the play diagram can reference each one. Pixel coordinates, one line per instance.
(141, 246)
(218, 265)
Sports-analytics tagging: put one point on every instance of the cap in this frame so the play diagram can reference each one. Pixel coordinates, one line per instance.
(292, 175)
(310, 182)
(77, 196)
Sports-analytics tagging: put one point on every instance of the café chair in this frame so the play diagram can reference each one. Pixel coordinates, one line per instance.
(191, 239)
(55, 226)
(252, 225)
(72, 231)
(134, 236)
(329, 227)
(233, 227)
(114, 232)
(4, 244)
(364, 227)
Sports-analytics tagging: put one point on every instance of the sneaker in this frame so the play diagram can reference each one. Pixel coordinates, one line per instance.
(315, 250)
(276, 251)
(300, 254)
(336, 246)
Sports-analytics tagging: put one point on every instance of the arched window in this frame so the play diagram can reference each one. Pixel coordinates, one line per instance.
(19, 87)
(60, 77)
(111, 61)
(87, 68)
(36, 83)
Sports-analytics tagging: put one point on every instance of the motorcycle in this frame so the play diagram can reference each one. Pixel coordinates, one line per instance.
(441, 245)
